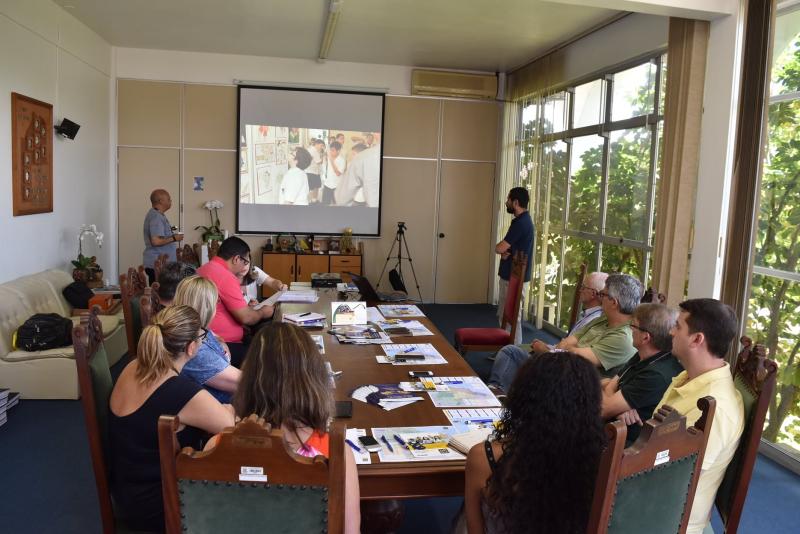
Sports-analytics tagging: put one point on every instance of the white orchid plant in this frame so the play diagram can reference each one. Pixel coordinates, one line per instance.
(212, 232)
(85, 263)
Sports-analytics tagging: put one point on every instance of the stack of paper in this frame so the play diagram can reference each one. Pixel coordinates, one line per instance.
(8, 399)
(407, 354)
(303, 295)
(401, 327)
(396, 449)
(306, 320)
(387, 396)
(464, 441)
(360, 335)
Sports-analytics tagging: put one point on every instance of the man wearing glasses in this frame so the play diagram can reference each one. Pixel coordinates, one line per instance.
(225, 270)
(639, 386)
(589, 295)
(606, 341)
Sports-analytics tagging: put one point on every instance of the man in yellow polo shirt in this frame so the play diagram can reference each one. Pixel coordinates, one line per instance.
(700, 340)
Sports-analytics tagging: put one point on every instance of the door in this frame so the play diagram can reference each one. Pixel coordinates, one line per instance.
(307, 264)
(141, 170)
(464, 232)
(280, 266)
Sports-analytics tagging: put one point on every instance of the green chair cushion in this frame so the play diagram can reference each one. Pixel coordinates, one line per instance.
(102, 386)
(233, 508)
(652, 501)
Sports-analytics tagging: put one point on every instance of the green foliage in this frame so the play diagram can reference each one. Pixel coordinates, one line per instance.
(773, 317)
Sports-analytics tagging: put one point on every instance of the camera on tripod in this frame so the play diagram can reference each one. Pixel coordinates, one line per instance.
(401, 226)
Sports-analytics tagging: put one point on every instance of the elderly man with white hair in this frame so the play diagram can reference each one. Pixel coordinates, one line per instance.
(589, 296)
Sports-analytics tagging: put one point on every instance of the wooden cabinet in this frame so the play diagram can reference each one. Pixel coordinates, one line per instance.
(289, 267)
(307, 264)
(344, 264)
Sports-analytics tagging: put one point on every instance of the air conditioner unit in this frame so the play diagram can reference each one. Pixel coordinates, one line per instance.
(454, 84)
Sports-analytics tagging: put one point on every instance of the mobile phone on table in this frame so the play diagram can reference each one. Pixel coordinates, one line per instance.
(420, 374)
(344, 408)
(406, 356)
(369, 443)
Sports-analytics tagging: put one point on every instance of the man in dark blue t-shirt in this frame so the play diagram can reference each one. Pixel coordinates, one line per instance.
(519, 237)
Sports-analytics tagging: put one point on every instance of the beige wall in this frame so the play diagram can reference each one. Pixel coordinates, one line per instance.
(196, 123)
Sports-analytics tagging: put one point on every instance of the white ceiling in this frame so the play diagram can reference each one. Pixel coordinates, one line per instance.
(486, 35)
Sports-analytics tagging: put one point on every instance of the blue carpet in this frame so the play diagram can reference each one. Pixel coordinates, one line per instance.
(49, 483)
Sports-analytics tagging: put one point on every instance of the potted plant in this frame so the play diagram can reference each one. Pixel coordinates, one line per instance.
(85, 267)
(212, 232)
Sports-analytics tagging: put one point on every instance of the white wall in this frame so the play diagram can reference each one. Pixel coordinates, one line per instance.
(202, 67)
(47, 54)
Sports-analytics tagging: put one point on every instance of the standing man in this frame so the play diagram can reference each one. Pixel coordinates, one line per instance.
(589, 295)
(158, 235)
(333, 170)
(363, 173)
(225, 269)
(519, 237)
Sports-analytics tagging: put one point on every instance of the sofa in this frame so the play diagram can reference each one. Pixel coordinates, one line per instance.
(46, 374)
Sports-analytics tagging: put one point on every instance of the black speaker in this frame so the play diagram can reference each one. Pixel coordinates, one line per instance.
(68, 129)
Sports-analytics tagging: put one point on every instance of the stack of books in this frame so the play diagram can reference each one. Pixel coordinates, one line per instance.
(8, 399)
(360, 335)
(306, 320)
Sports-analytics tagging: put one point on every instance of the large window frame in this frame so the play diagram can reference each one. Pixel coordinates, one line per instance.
(540, 187)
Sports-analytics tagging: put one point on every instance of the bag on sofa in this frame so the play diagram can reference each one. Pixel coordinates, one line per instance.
(78, 294)
(44, 331)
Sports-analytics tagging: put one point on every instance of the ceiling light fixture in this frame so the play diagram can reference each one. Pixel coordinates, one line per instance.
(334, 11)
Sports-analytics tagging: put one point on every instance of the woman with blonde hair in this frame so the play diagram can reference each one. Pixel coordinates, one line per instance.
(211, 367)
(151, 386)
(284, 380)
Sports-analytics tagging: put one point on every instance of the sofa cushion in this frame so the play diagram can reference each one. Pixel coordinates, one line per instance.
(13, 312)
(39, 294)
(109, 323)
(24, 355)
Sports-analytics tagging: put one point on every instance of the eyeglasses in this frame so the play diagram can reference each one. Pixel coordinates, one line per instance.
(245, 260)
(602, 294)
(640, 329)
(593, 290)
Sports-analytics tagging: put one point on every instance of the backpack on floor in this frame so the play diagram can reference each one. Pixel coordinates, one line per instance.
(44, 331)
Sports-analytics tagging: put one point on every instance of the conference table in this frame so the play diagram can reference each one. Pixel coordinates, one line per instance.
(359, 367)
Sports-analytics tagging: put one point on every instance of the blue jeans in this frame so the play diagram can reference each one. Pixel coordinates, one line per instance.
(508, 360)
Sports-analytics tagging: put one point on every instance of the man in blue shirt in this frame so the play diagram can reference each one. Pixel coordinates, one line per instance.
(158, 235)
(519, 237)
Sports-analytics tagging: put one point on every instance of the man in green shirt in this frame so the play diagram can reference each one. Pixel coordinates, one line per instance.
(607, 341)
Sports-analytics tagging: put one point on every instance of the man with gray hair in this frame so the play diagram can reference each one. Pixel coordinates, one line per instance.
(592, 285)
(606, 341)
(644, 379)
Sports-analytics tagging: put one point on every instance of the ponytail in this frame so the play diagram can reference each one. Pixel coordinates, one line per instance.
(161, 342)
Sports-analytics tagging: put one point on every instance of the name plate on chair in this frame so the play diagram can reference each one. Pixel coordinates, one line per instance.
(252, 474)
(661, 458)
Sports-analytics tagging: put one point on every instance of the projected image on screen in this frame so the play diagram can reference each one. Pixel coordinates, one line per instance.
(309, 161)
(309, 167)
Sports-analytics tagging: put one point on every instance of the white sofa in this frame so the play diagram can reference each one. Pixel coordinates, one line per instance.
(46, 374)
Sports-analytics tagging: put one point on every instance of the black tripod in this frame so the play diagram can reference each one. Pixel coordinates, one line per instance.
(397, 282)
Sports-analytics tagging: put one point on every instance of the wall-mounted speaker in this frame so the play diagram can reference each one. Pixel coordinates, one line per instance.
(68, 129)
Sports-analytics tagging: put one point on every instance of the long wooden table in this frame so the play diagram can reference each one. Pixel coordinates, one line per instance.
(359, 367)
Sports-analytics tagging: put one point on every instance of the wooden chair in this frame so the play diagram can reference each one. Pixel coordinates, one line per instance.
(206, 491)
(649, 487)
(576, 298)
(159, 264)
(131, 288)
(653, 296)
(493, 339)
(149, 304)
(755, 377)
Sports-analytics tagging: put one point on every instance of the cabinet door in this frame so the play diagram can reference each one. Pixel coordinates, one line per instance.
(344, 264)
(280, 266)
(310, 264)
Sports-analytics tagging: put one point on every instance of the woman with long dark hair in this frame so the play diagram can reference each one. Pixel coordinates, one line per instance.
(538, 473)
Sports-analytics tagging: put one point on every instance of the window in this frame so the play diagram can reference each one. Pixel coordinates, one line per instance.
(774, 301)
(589, 155)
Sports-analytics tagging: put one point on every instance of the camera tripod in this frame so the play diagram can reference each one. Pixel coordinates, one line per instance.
(397, 282)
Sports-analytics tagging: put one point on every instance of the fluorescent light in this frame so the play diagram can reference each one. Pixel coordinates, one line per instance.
(334, 11)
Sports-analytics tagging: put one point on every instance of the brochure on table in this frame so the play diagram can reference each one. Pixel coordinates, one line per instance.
(348, 313)
(361, 455)
(397, 451)
(462, 392)
(415, 328)
(400, 310)
(395, 353)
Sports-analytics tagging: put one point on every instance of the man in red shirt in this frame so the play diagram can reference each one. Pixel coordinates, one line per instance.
(225, 270)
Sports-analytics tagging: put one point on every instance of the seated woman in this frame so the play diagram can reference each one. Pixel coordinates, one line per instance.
(538, 474)
(284, 380)
(211, 366)
(151, 386)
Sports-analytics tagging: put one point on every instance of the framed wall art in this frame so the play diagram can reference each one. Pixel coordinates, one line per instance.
(31, 155)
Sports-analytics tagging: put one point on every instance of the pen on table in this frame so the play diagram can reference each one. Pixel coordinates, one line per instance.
(383, 439)
(353, 445)
(398, 440)
(481, 421)
(304, 314)
(410, 349)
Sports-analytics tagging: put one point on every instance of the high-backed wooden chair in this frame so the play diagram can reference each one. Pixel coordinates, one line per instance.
(131, 288)
(250, 482)
(649, 487)
(493, 339)
(159, 264)
(576, 298)
(149, 305)
(186, 254)
(754, 376)
(653, 296)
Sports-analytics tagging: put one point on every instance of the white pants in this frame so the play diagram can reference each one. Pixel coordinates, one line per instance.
(501, 303)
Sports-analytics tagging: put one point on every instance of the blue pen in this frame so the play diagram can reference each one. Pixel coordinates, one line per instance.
(409, 350)
(353, 445)
(400, 441)
(480, 421)
(383, 439)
